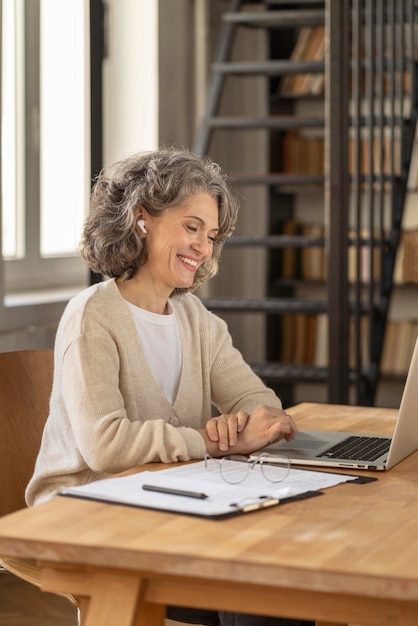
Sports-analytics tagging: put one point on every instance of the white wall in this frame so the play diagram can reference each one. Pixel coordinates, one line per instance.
(149, 74)
(130, 77)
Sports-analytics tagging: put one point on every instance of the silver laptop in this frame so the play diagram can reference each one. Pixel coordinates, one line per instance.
(371, 452)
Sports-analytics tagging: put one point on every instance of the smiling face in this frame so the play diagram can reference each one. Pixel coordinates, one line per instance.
(177, 242)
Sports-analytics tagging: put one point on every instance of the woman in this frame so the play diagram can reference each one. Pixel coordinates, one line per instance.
(139, 361)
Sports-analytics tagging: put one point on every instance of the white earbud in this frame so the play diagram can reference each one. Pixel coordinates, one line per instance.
(141, 224)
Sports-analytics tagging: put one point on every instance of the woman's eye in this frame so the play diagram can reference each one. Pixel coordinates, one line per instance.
(194, 229)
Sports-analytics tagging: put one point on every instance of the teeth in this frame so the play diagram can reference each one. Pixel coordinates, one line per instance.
(189, 261)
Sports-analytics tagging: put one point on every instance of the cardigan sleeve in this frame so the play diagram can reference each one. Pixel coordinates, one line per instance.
(234, 385)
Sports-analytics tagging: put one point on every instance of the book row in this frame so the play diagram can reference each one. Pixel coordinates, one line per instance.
(309, 263)
(303, 153)
(304, 341)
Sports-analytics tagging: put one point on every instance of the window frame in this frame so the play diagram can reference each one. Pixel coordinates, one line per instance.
(34, 272)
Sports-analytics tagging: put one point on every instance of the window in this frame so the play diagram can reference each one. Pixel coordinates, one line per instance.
(45, 142)
(11, 128)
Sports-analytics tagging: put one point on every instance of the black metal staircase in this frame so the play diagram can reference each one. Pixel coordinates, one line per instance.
(369, 46)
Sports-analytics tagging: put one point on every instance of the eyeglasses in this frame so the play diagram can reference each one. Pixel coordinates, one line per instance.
(234, 469)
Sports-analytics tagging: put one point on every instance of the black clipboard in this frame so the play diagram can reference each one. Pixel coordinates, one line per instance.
(210, 497)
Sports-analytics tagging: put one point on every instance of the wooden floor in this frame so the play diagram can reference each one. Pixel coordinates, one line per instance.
(22, 604)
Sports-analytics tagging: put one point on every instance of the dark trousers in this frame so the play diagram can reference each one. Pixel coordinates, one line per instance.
(223, 618)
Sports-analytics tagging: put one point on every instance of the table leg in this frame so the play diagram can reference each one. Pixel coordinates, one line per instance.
(112, 601)
(149, 615)
(109, 597)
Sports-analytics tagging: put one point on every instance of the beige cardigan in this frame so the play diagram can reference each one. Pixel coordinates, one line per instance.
(107, 413)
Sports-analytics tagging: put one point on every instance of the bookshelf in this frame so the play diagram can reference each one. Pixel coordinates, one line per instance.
(305, 233)
(303, 152)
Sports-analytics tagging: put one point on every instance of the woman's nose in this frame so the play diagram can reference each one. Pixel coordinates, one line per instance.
(203, 245)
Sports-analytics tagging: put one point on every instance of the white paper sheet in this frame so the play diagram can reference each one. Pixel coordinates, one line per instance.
(222, 498)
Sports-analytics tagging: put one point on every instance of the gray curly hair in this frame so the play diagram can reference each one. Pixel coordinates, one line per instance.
(155, 180)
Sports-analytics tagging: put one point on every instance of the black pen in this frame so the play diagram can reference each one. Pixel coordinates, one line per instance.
(175, 492)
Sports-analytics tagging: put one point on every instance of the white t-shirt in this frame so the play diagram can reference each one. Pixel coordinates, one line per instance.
(160, 339)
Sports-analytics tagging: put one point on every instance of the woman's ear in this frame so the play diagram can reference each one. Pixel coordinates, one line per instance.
(141, 226)
(140, 221)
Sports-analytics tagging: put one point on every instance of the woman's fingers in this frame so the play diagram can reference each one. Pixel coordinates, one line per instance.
(225, 428)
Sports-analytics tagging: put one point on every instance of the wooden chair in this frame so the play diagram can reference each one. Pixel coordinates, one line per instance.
(25, 388)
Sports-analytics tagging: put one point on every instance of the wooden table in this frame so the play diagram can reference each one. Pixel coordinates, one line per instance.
(350, 556)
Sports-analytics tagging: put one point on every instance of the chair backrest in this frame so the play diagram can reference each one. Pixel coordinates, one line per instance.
(25, 389)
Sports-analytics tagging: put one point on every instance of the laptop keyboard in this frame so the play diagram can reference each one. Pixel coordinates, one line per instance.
(359, 448)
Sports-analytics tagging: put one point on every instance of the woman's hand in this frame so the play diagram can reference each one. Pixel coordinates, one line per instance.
(242, 433)
(265, 425)
(224, 429)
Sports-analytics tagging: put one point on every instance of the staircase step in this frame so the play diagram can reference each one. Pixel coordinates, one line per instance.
(294, 241)
(278, 305)
(293, 373)
(273, 3)
(276, 179)
(281, 122)
(386, 120)
(290, 373)
(274, 241)
(266, 305)
(270, 68)
(276, 19)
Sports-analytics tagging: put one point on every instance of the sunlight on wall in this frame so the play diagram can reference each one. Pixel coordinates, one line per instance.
(12, 116)
(131, 78)
(64, 124)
